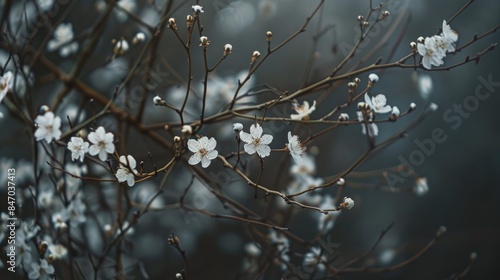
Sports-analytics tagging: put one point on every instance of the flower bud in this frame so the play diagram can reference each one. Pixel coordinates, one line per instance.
(187, 129)
(421, 40)
(139, 37)
(433, 106)
(237, 127)
(343, 117)
(341, 182)
(385, 14)
(413, 47)
(357, 81)
(269, 36)
(413, 106)
(351, 86)
(228, 48)
(197, 9)
(204, 42)
(372, 79)
(189, 21)
(362, 106)
(361, 19)
(348, 203)
(157, 100)
(255, 56)
(121, 46)
(172, 24)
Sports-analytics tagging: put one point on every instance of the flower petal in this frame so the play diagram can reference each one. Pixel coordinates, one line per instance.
(193, 145)
(263, 150)
(246, 137)
(266, 139)
(256, 130)
(249, 148)
(212, 154)
(205, 162)
(194, 159)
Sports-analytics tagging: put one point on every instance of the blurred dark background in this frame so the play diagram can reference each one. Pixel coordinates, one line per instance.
(462, 173)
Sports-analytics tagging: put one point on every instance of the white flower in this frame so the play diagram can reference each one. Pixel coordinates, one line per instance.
(305, 167)
(127, 170)
(197, 9)
(424, 85)
(63, 35)
(256, 142)
(295, 147)
(203, 149)
(78, 148)
(41, 271)
(395, 111)
(313, 259)
(447, 39)
(378, 103)
(102, 143)
(58, 251)
(48, 127)
(237, 127)
(6, 82)
(326, 221)
(430, 53)
(348, 202)
(372, 127)
(421, 186)
(303, 111)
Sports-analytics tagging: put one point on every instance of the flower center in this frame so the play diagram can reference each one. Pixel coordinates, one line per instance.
(203, 152)
(256, 141)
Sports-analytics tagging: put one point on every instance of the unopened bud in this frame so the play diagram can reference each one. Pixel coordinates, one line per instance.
(413, 47)
(341, 181)
(372, 79)
(385, 14)
(413, 106)
(189, 21)
(351, 86)
(204, 42)
(255, 56)
(343, 117)
(362, 106)
(121, 46)
(187, 129)
(157, 100)
(237, 127)
(421, 40)
(269, 36)
(441, 231)
(357, 81)
(172, 24)
(138, 38)
(361, 19)
(228, 48)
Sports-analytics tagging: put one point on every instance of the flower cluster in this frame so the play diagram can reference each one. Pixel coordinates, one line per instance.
(63, 37)
(434, 49)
